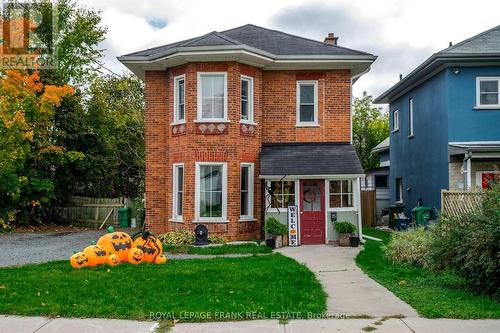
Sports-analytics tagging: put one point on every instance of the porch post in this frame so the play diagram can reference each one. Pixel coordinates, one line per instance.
(358, 207)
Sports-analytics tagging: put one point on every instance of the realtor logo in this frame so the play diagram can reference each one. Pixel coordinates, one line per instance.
(27, 32)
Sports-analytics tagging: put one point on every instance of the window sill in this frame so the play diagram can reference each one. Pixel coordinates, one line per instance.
(307, 125)
(201, 121)
(342, 209)
(210, 221)
(411, 136)
(246, 122)
(396, 130)
(487, 107)
(178, 123)
(176, 220)
(247, 219)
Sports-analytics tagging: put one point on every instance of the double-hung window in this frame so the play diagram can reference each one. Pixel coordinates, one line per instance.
(212, 96)
(178, 191)
(488, 92)
(211, 191)
(341, 193)
(246, 191)
(410, 118)
(395, 121)
(179, 98)
(246, 99)
(399, 190)
(307, 103)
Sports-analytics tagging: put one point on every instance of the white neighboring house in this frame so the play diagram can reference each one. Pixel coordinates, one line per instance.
(378, 178)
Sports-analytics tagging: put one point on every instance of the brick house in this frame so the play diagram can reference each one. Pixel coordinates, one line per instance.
(241, 124)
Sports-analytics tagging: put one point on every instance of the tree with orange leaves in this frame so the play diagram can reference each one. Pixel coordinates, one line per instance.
(27, 153)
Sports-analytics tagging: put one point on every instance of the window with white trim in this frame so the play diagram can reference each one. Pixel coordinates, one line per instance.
(179, 98)
(246, 191)
(488, 92)
(410, 118)
(178, 191)
(307, 103)
(212, 96)
(395, 121)
(341, 193)
(211, 191)
(283, 194)
(399, 190)
(246, 99)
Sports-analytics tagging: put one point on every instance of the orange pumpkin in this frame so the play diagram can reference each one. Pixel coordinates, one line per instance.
(113, 260)
(161, 259)
(78, 260)
(118, 243)
(96, 255)
(150, 245)
(135, 256)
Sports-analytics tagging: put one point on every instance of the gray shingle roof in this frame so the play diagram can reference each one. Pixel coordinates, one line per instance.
(324, 158)
(267, 40)
(382, 146)
(482, 47)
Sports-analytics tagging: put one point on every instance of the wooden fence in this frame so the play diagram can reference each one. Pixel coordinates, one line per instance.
(458, 202)
(368, 207)
(92, 212)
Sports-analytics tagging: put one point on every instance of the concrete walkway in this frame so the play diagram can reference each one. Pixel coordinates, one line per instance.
(350, 291)
(16, 324)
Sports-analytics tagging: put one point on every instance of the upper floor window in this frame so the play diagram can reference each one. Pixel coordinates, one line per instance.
(395, 121)
(179, 95)
(212, 96)
(246, 99)
(488, 92)
(410, 118)
(307, 103)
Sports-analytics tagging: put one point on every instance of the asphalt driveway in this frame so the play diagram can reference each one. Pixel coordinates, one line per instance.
(25, 248)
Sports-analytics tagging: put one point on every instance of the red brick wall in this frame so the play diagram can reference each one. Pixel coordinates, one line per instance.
(274, 113)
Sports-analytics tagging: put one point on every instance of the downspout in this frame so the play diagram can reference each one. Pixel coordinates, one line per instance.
(467, 170)
(354, 78)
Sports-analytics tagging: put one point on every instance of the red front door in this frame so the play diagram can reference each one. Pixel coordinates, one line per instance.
(312, 211)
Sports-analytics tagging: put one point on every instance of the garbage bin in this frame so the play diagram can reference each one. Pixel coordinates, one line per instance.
(421, 215)
(124, 217)
(394, 210)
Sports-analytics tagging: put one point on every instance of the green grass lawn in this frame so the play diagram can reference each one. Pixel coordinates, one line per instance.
(261, 284)
(432, 295)
(223, 249)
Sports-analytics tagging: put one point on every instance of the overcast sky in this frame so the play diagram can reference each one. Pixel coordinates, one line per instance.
(401, 33)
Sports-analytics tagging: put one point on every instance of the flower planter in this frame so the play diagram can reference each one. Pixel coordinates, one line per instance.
(354, 241)
(344, 240)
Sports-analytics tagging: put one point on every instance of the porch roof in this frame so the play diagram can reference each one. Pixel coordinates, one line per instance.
(460, 148)
(309, 159)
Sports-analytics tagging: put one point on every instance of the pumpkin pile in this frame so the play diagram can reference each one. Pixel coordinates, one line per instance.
(118, 247)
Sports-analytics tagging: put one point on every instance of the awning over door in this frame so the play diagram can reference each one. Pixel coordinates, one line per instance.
(309, 159)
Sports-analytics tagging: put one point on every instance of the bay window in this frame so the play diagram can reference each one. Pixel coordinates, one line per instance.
(212, 96)
(246, 99)
(178, 191)
(211, 191)
(246, 191)
(179, 97)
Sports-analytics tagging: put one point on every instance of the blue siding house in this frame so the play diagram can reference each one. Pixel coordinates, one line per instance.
(445, 123)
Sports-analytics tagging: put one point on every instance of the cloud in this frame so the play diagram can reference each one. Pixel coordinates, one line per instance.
(357, 32)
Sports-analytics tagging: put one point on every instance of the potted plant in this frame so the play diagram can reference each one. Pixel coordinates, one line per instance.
(344, 229)
(275, 231)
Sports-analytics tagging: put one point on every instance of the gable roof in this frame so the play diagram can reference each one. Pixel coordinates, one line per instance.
(251, 44)
(382, 146)
(481, 48)
(291, 159)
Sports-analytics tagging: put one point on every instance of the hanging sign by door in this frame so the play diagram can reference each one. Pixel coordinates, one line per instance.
(293, 226)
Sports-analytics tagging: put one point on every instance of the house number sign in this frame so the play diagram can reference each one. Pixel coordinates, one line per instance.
(293, 226)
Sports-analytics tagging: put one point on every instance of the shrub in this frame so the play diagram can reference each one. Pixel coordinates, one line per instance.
(216, 239)
(470, 244)
(183, 237)
(275, 228)
(344, 227)
(411, 247)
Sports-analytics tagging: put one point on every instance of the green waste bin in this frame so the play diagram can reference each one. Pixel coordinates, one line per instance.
(421, 215)
(124, 217)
